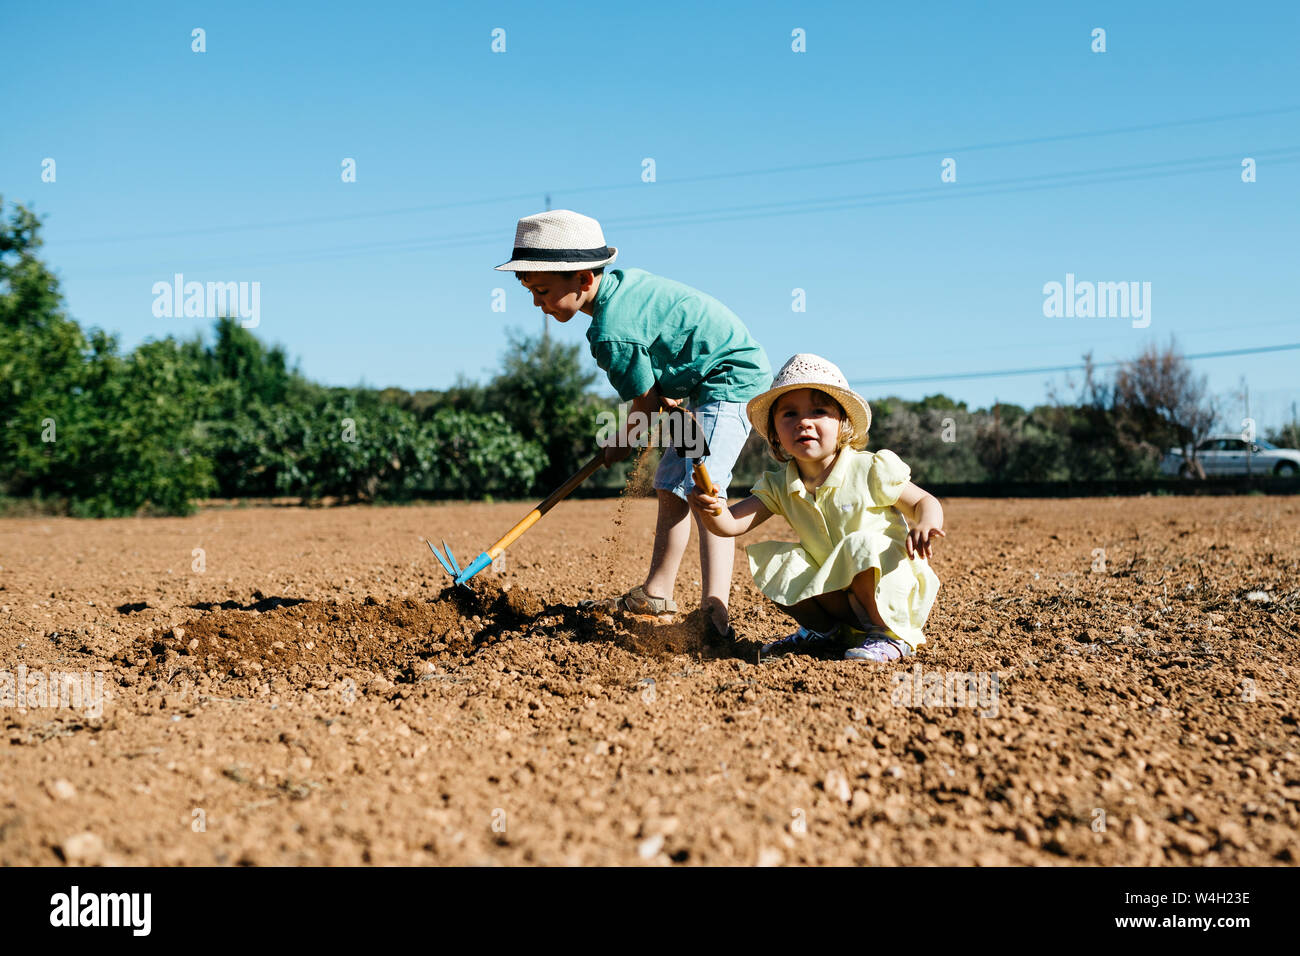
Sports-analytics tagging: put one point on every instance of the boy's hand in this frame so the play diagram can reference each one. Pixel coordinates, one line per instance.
(920, 540)
(616, 453)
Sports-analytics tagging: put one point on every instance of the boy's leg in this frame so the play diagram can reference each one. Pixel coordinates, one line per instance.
(726, 426)
(672, 530)
(717, 559)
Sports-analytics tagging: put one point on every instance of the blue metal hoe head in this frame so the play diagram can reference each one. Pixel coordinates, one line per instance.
(448, 562)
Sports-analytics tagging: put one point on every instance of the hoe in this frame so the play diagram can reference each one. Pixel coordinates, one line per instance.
(683, 433)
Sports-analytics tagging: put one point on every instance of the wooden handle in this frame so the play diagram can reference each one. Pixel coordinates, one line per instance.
(553, 499)
(704, 481)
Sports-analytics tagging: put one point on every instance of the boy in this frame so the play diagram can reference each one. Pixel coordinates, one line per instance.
(662, 344)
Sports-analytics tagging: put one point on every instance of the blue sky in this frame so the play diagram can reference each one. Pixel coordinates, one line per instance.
(225, 166)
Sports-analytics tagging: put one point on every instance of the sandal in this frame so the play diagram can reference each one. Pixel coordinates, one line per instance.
(638, 604)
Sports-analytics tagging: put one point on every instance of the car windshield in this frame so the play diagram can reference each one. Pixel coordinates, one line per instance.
(1266, 445)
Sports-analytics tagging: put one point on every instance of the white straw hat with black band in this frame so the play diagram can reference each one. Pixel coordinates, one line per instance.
(559, 240)
(806, 370)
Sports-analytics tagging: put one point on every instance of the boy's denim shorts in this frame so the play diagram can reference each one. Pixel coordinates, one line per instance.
(726, 427)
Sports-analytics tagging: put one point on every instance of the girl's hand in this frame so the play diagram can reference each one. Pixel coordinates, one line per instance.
(920, 540)
(710, 504)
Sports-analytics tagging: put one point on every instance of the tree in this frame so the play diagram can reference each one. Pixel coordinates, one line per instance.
(936, 436)
(42, 353)
(472, 456)
(109, 434)
(1084, 419)
(262, 374)
(542, 394)
(1159, 399)
(137, 443)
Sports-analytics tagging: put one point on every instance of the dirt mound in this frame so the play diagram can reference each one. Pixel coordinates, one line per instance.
(310, 641)
(649, 638)
(313, 639)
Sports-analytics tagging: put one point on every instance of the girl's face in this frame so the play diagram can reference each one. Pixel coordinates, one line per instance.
(808, 427)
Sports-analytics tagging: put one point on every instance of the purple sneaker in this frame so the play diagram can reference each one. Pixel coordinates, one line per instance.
(877, 646)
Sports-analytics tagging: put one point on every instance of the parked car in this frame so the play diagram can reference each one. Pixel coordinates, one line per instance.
(1228, 455)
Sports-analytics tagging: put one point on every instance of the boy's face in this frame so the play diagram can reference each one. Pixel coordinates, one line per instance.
(559, 295)
(807, 425)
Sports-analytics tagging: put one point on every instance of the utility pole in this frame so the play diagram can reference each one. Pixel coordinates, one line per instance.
(1250, 442)
(546, 329)
(997, 437)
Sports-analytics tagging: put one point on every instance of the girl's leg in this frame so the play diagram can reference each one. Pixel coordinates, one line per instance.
(811, 617)
(811, 614)
(863, 591)
(879, 645)
(825, 611)
(839, 605)
(717, 557)
(835, 604)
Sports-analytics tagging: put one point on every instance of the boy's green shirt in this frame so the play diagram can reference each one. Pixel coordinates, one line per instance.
(647, 329)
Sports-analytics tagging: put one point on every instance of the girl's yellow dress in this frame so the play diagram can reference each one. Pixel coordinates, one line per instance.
(847, 525)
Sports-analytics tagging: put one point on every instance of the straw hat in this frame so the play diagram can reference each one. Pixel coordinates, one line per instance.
(559, 240)
(806, 370)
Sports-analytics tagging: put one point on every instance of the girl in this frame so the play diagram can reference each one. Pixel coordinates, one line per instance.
(858, 571)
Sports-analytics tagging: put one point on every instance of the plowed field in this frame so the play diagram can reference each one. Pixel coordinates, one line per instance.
(1105, 682)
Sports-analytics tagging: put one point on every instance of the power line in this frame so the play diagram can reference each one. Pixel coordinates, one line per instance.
(1094, 341)
(1050, 369)
(1003, 144)
(1082, 177)
(1061, 180)
(704, 177)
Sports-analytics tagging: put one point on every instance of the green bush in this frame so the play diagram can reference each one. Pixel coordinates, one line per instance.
(470, 456)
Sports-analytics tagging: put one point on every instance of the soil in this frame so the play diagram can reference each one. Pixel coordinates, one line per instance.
(288, 686)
